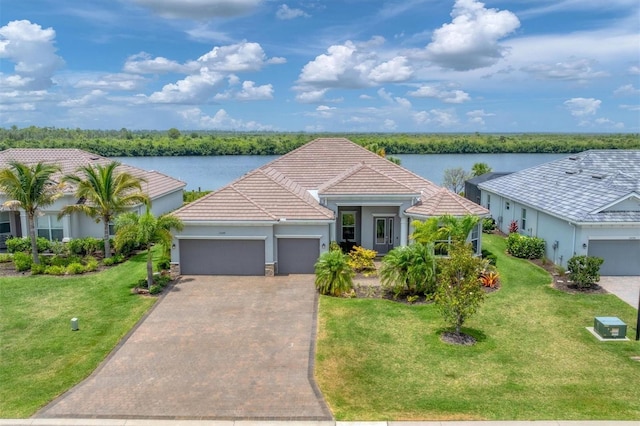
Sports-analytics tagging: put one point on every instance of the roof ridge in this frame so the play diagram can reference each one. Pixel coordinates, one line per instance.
(299, 191)
(252, 202)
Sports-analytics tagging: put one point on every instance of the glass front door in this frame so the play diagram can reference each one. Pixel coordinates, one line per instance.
(383, 237)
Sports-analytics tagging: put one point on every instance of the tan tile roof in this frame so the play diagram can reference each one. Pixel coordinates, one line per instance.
(364, 179)
(70, 160)
(330, 166)
(446, 202)
(260, 195)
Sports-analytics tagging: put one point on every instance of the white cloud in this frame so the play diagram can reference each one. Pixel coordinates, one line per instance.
(251, 92)
(117, 82)
(238, 57)
(395, 70)
(143, 63)
(89, 99)
(581, 107)
(477, 116)
(32, 50)
(311, 96)
(285, 12)
(609, 123)
(575, 69)
(448, 96)
(195, 88)
(634, 70)
(444, 118)
(471, 39)
(199, 9)
(394, 100)
(389, 124)
(221, 120)
(626, 90)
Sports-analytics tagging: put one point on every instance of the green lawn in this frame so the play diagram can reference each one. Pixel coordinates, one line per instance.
(40, 357)
(381, 360)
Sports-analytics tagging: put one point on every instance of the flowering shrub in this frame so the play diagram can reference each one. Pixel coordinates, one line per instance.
(361, 259)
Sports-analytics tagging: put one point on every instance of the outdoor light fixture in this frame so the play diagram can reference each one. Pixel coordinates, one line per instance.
(324, 246)
(584, 245)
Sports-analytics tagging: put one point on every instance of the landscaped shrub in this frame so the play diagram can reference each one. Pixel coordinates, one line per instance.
(361, 259)
(23, 244)
(55, 270)
(90, 264)
(334, 276)
(85, 246)
(525, 247)
(59, 248)
(113, 260)
(490, 257)
(22, 261)
(38, 269)
(409, 270)
(513, 227)
(488, 225)
(334, 246)
(164, 263)
(584, 271)
(5, 258)
(75, 268)
(155, 289)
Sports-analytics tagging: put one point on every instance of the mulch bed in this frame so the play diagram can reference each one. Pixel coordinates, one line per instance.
(562, 282)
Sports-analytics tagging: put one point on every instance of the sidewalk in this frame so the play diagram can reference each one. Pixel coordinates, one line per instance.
(141, 422)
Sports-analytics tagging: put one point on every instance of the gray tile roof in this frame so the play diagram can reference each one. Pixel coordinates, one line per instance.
(328, 166)
(69, 160)
(578, 187)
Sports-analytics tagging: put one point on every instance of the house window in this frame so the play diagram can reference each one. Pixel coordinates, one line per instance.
(523, 220)
(488, 201)
(507, 206)
(5, 225)
(112, 229)
(348, 223)
(474, 238)
(49, 227)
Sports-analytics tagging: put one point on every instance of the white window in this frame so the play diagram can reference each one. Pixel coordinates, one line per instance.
(49, 227)
(5, 225)
(523, 220)
(474, 238)
(348, 223)
(488, 201)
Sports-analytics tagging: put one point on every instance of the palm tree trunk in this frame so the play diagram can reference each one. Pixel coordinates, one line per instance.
(107, 243)
(149, 267)
(31, 225)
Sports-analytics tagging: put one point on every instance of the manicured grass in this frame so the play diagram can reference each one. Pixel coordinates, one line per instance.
(380, 360)
(40, 357)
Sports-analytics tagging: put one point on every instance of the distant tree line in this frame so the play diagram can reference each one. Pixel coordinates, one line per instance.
(173, 142)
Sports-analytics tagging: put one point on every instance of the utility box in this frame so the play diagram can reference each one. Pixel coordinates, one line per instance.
(610, 327)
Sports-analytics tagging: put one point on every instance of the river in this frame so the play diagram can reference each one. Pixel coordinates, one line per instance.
(213, 172)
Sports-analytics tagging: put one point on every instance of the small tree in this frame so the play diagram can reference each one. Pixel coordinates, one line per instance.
(584, 271)
(29, 188)
(459, 293)
(334, 276)
(454, 179)
(147, 230)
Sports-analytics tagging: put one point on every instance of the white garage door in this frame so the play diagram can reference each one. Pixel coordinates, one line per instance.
(621, 257)
(297, 255)
(222, 257)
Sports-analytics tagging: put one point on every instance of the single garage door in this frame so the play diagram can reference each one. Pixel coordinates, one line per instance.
(222, 257)
(297, 255)
(621, 257)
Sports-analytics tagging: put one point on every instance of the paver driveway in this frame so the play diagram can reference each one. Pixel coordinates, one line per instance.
(213, 348)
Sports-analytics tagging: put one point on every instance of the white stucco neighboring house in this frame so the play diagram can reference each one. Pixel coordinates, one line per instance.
(280, 217)
(583, 204)
(164, 191)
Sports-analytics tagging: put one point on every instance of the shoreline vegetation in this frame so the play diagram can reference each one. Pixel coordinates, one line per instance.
(173, 142)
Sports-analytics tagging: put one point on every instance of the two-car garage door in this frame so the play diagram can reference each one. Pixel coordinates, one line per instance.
(621, 257)
(246, 257)
(221, 257)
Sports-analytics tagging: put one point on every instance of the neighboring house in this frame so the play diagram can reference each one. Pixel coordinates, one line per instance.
(165, 193)
(280, 217)
(471, 190)
(583, 204)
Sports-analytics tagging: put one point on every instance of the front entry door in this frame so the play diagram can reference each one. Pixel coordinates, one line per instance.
(383, 234)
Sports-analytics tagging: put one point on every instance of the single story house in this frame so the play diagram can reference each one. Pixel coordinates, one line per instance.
(279, 218)
(583, 204)
(164, 191)
(471, 190)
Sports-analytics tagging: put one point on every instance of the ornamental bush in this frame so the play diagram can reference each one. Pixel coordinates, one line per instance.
(334, 276)
(15, 245)
(525, 247)
(361, 259)
(22, 261)
(584, 271)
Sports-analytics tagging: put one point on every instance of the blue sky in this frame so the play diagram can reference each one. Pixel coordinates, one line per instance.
(322, 65)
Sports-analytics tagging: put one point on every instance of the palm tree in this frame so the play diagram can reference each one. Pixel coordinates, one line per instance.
(410, 269)
(147, 230)
(29, 188)
(103, 193)
(334, 276)
(479, 169)
(457, 228)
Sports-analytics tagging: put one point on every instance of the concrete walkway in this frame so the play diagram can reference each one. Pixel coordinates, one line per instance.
(626, 288)
(107, 422)
(213, 348)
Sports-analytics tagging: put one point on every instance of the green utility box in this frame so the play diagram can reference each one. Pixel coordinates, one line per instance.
(610, 327)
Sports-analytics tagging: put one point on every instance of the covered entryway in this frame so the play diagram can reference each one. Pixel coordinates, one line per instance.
(621, 257)
(383, 238)
(298, 255)
(222, 257)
